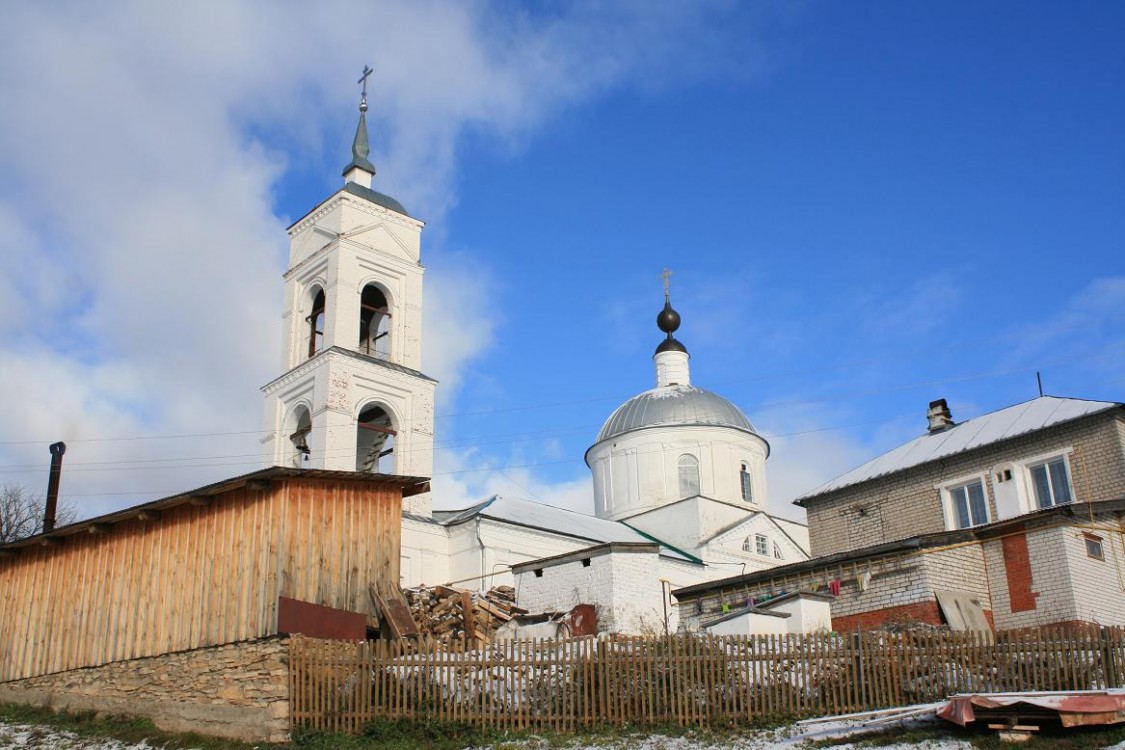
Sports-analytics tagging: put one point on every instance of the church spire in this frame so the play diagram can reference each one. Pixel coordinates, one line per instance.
(360, 170)
(671, 356)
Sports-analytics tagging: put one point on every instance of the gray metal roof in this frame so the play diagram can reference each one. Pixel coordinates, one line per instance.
(551, 519)
(986, 429)
(673, 405)
(375, 197)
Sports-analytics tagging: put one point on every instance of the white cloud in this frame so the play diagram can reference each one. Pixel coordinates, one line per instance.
(466, 477)
(1088, 327)
(458, 327)
(141, 251)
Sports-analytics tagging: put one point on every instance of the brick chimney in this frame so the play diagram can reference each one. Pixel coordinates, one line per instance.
(939, 416)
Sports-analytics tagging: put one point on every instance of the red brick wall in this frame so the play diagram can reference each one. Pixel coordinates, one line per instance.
(926, 612)
(1017, 567)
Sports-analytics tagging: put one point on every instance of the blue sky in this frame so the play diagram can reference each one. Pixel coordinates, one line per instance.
(865, 206)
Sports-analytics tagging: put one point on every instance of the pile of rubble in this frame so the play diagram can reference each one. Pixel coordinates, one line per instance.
(444, 613)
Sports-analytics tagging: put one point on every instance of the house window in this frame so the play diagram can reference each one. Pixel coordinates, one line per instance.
(761, 544)
(1051, 481)
(777, 552)
(968, 504)
(316, 324)
(1094, 546)
(744, 480)
(689, 475)
(747, 545)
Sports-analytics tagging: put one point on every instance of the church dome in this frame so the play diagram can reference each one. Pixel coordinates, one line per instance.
(674, 405)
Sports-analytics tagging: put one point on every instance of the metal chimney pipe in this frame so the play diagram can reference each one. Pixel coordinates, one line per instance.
(57, 451)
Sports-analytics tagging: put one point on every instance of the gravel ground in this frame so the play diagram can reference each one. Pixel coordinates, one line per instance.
(20, 736)
(27, 737)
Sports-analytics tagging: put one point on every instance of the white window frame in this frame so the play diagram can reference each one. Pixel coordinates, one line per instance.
(746, 487)
(1028, 464)
(762, 541)
(945, 489)
(684, 490)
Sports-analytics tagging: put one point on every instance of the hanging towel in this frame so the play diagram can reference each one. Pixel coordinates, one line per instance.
(834, 587)
(863, 580)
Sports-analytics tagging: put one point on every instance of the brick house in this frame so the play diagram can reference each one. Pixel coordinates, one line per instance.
(1012, 519)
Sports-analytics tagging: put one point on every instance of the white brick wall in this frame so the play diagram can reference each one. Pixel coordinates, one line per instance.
(1071, 585)
(625, 587)
(1098, 585)
(894, 582)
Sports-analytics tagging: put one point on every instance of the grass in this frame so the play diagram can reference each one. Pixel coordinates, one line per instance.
(92, 726)
(408, 734)
(382, 734)
(403, 734)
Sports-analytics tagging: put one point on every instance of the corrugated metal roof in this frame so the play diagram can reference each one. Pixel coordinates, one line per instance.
(1030, 416)
(551, 519)
(673, 405)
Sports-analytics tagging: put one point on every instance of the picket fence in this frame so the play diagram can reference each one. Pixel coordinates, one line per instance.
(687, 679)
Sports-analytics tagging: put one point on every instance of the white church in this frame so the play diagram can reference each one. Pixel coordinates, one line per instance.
(679, 473)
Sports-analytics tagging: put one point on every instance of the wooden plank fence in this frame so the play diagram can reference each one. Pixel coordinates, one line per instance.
(687, 679)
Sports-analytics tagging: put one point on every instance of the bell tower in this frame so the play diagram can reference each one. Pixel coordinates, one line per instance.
(352, 396)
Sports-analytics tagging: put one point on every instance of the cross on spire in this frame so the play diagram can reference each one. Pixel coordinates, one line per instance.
(363, 80)
(665, 277)
(360, 146)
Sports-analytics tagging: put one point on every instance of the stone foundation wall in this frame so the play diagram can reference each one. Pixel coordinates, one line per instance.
(239, 690)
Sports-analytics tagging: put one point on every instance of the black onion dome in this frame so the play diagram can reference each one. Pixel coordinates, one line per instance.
(668, 320)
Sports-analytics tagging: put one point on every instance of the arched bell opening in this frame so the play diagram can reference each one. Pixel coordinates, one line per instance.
(374, 322)
(299, 434)
(375, 441)
(315, 322)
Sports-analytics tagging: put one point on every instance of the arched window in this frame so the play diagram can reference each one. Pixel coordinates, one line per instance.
(744, 481)
(374, 322)
(748, 544)
(301, 425)
(689, 475)
(374, 441)
(316, 323)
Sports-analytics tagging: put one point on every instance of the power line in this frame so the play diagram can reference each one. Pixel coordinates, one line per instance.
(836, 397)
(479, 469)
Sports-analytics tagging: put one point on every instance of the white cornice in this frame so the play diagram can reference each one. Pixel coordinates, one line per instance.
(360, 363)
(365, 206)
